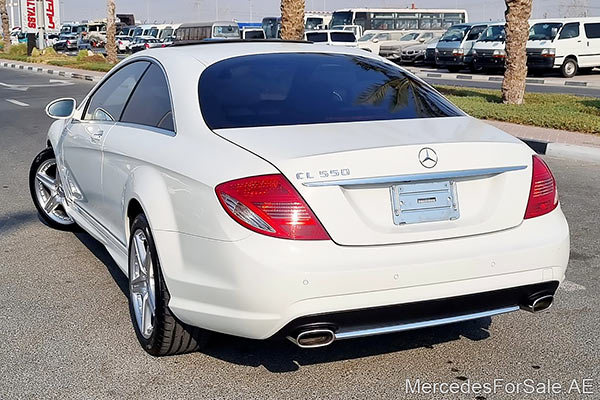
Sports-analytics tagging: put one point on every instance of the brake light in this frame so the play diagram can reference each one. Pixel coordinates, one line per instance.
(147, 45)
(543, 196)
(270, 205)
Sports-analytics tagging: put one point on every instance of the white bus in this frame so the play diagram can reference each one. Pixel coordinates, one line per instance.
(399, 18)
(207, 31)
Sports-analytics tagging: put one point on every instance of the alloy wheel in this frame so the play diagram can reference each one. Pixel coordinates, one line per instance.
(142, 285)
(49, 192)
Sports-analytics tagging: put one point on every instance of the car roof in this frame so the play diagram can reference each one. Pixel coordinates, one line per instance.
(211, 52)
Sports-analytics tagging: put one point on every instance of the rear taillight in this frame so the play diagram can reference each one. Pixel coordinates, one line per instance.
(147, 45)
(543, 196)
(270, 205)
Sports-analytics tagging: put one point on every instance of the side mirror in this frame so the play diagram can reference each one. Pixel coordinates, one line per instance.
(421, 40)
(375, 40)
(61, 108)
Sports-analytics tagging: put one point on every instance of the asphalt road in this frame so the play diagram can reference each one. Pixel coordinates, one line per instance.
(65, 330)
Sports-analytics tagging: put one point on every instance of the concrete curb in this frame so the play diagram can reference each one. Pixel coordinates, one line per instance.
(563, 150)
(65, 73)
(558, 82)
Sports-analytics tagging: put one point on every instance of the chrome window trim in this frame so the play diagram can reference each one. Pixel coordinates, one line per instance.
(431, 176)
(154, 129)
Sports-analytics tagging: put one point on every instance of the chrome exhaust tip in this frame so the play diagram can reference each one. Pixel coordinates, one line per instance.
(313, 338)
(539, 304)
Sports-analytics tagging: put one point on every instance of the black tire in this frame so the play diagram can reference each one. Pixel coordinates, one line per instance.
(569, 68)
(454, 69)
(44, 156)
(169, 335)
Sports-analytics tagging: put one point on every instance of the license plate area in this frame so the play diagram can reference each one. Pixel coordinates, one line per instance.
(414, 203)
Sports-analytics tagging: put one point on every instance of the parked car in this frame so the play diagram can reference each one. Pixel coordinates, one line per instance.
(372, 40)
(252, 33)
(454, 50)
(333, 38)
(393, 50)
(416, 54)
(83, 42)
(312, 192)
(143, 43)
(123, 43)
(66, 42)
(567, 45)
(430, 52)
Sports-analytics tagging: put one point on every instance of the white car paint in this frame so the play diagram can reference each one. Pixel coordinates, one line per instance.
(226, 278)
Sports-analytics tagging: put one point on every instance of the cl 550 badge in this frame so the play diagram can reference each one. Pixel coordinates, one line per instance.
(332, 173)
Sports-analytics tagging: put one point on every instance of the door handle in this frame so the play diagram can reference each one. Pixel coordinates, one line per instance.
(96, 136)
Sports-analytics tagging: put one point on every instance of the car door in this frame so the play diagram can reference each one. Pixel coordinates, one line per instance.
(571, 42)
(82, 144)
(141, 139)
(592, 44)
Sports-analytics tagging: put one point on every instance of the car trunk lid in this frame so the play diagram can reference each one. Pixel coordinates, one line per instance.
(353, 176)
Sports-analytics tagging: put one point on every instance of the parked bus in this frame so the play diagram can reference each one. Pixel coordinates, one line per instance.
(399, 18)
(207, 31)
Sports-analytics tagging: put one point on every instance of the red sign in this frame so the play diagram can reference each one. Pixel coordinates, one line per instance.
(31, 17)
(50, 15)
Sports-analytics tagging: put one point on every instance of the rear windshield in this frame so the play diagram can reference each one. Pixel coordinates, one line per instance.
(309, 88)
(316, 37)
(343, 37)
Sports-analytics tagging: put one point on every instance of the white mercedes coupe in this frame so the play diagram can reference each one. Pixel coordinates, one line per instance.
(293, 190)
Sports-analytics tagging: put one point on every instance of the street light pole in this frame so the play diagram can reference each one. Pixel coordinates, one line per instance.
(41, 23)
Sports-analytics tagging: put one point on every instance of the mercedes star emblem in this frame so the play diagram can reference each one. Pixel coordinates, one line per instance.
(428, 157)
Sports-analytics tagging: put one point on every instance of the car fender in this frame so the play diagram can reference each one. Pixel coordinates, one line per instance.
(147, 186)
(55, 132)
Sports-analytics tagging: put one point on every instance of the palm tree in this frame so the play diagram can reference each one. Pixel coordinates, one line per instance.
(111, 31)
(292, 19)
(5, 25)
(517, 15)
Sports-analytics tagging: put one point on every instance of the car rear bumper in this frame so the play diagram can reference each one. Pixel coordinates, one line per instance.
(260, 286)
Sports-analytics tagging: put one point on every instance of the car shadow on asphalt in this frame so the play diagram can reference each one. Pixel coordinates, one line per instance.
(102, 255)
(281, 356)
(16, 220)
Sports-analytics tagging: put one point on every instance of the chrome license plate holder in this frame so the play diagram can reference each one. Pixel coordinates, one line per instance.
(414, 203)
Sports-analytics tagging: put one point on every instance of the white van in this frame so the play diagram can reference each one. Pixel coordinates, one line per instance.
(571, 45)
(333, 38)
(489, 50)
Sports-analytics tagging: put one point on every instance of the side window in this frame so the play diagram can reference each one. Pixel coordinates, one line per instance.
(569, 31)
(150, 103)
(475, 32)
(107, 103)
(592, 31)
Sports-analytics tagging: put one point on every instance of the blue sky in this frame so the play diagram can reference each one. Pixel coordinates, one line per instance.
(244, 10)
